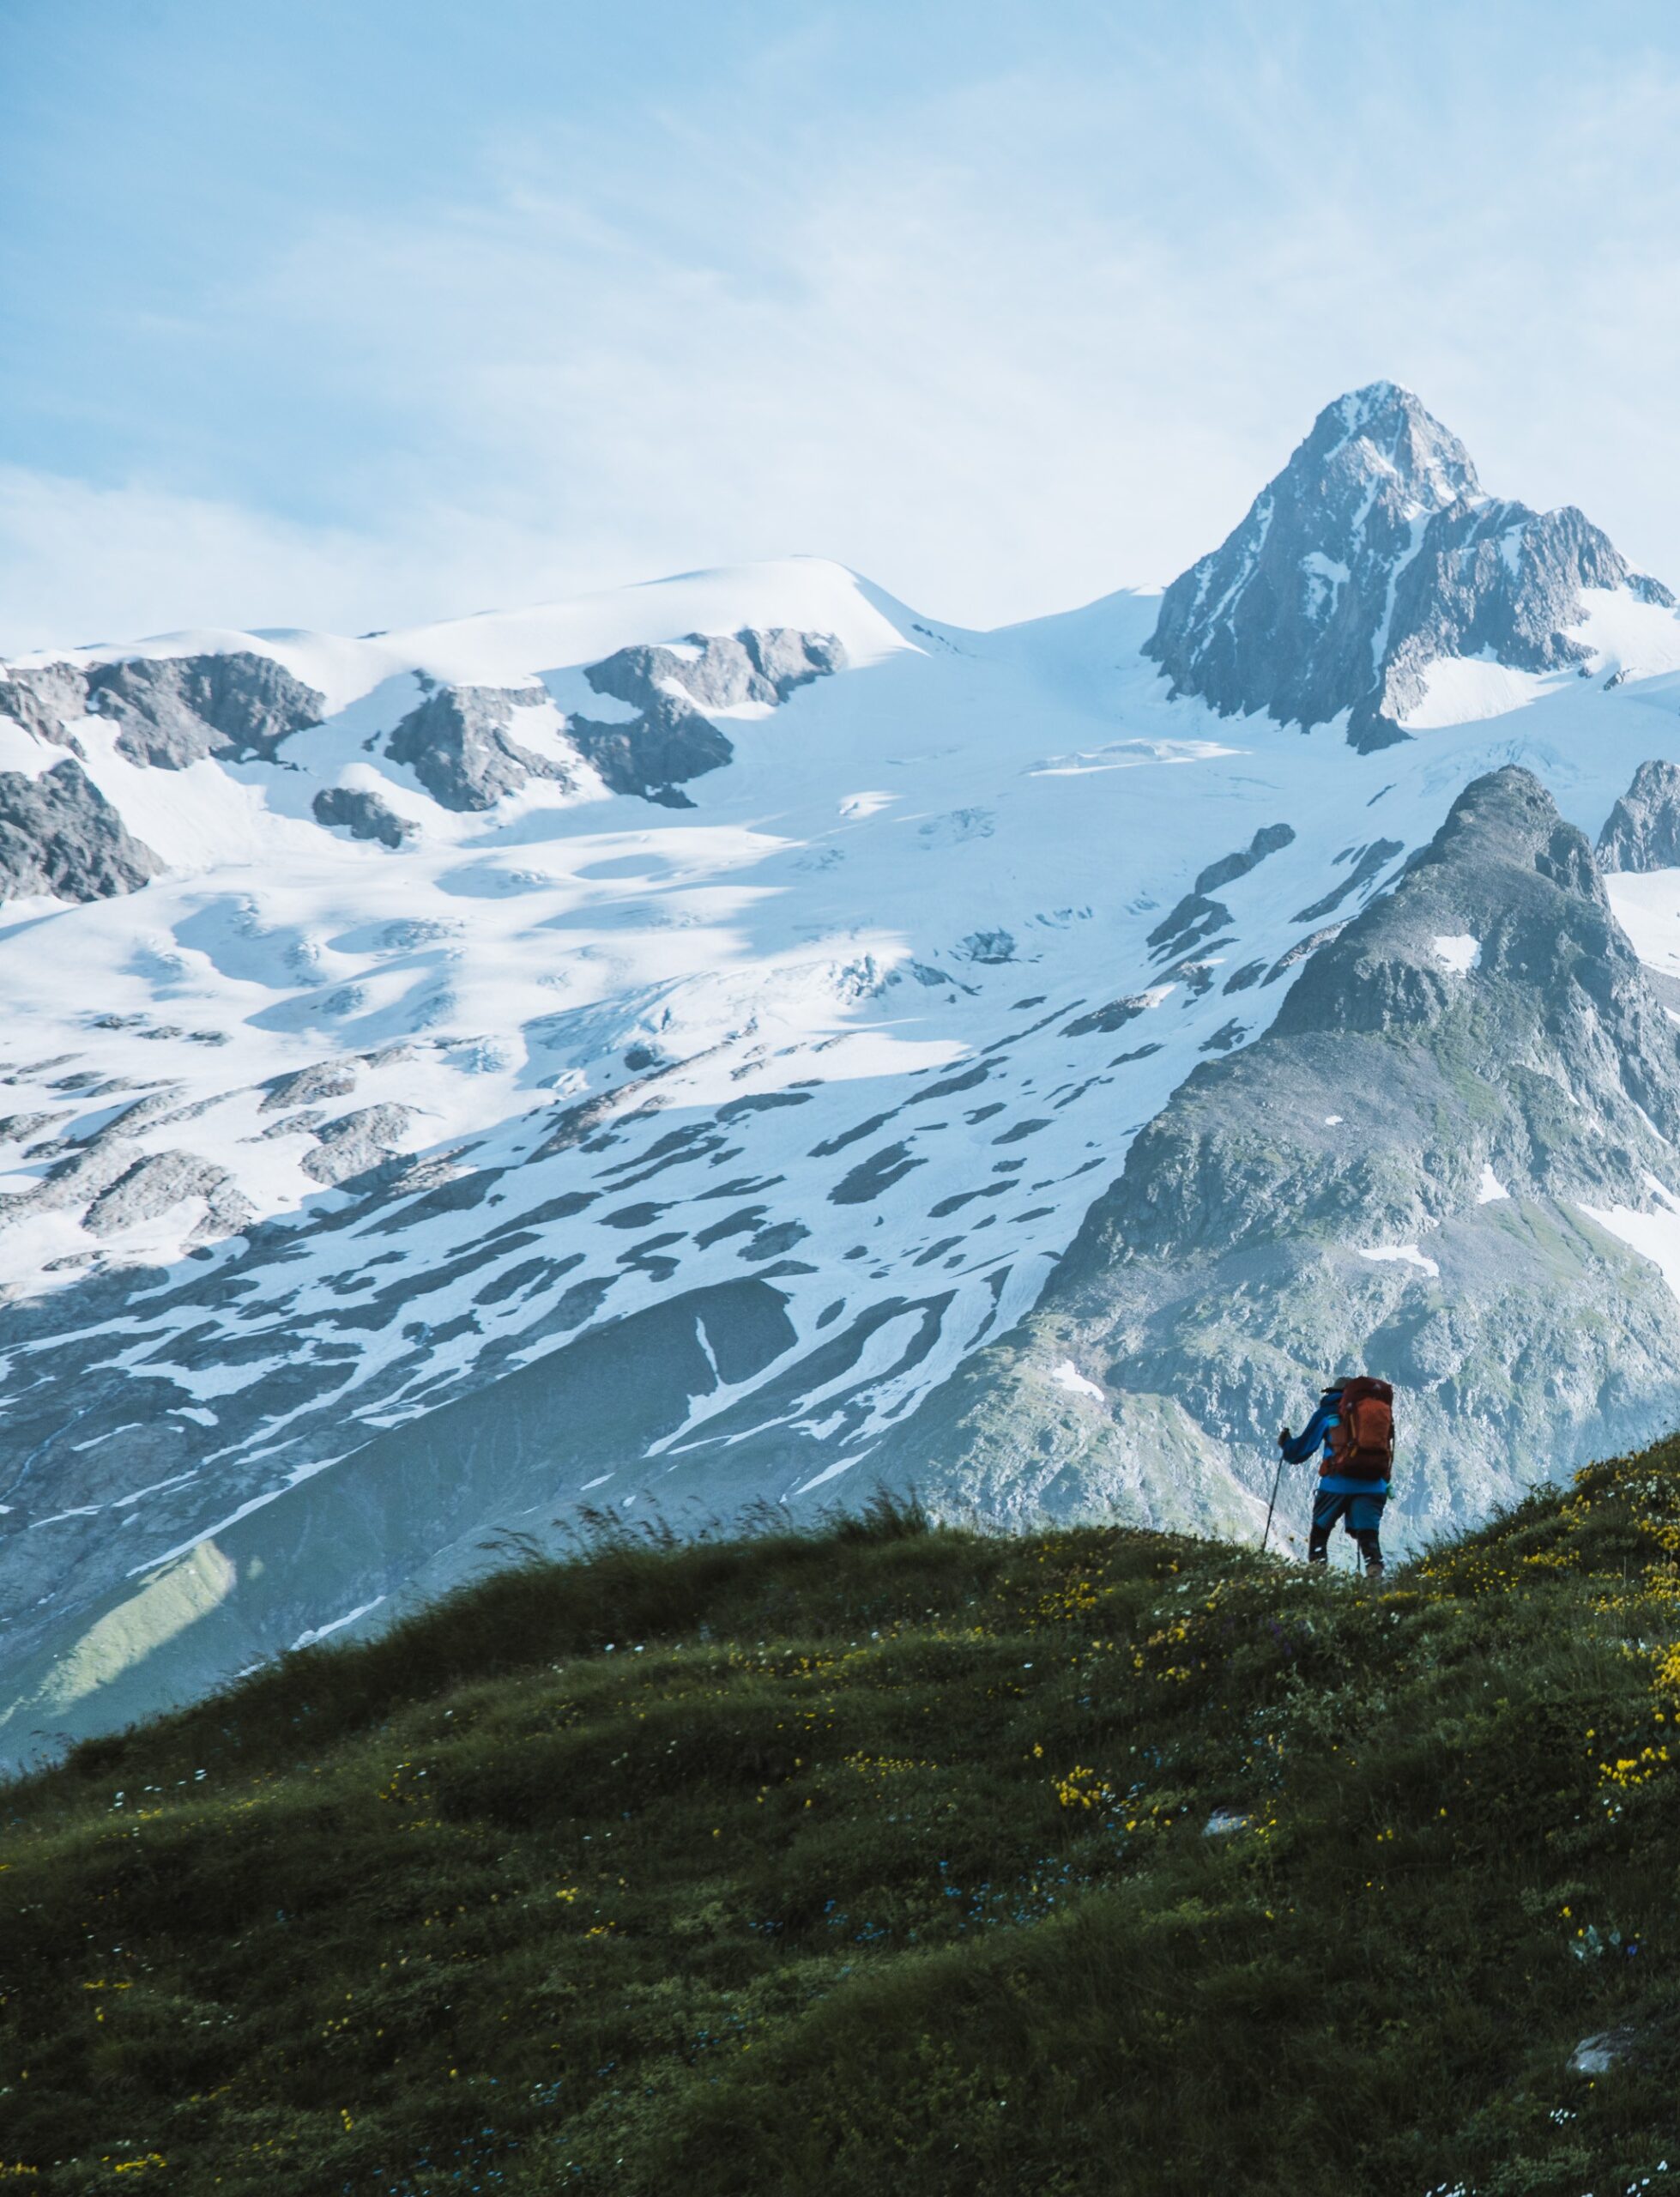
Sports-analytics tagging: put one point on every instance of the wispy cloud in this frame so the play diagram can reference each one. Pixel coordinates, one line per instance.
(1002, 339)
(81, 563)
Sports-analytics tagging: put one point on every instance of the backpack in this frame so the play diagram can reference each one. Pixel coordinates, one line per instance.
(1362, 1443)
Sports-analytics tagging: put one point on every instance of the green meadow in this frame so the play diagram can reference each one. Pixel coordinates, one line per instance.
(893, 1858)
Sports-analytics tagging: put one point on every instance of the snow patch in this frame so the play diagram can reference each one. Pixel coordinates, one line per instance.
(1654, 1236)
(1460, 952)
(307, 1639)
(1463, 690)
(1068, 1376)
(827, 1473)
(1647, 904)
(25, 753)
(1624, 633)
(1490, 1189)
(1406, 1254)
(1128, 755)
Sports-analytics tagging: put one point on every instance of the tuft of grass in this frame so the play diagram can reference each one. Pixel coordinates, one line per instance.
(892, 1857)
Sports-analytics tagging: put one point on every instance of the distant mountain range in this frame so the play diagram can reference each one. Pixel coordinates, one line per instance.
(736, 1039)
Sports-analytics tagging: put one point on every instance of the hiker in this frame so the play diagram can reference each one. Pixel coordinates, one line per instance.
(1355, 1422)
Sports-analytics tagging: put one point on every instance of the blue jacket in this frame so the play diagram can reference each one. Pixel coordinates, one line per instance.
(1320, 1429)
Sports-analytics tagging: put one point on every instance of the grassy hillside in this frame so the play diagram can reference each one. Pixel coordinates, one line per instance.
(881, 1861)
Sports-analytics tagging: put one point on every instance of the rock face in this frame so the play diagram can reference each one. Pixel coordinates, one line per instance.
(458, 746)
(59, 835)
(163, 1179)
(175, 710)
(1642, 832)
(346, 1149)
(361, 813)
(171, 710)
(1198, 916)
(326, 1080)
(41, 697)
(1403, 1175)
(1372, 555)
(673, 739)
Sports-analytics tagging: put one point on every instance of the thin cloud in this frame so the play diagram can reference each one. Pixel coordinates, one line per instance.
(1003, 345)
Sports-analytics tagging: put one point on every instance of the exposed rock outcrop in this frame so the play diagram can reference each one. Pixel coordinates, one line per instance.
(58, 834)
(356, 1143)
(362, 814)
(83, 1168)
(324, 1079)
(1198, 916)
(162, 1179)
(459, 742)
(171, 710)
(1372, 555)
(673, 739)
(1642, 832)
(45, 699)
(458, 745)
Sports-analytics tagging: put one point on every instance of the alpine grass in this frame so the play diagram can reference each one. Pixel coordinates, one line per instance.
(892, 1858)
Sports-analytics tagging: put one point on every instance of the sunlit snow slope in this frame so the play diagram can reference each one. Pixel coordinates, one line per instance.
(630, 1053)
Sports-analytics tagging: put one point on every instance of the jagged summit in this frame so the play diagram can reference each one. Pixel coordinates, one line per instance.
(1397, 1173)
(1374, 555)
(1381, 440)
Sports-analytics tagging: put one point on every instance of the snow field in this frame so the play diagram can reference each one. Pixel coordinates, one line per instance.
(874, 1020)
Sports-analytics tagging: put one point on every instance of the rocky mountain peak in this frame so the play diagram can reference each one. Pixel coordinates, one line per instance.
(1380, 440)
(1412, 1170)
(1511, 890)
(1642, 831)
(1494, 979)
(1374, 555)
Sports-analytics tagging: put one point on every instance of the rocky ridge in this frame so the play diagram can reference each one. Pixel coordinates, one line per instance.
(461, 745)
(671, 738)
(1373, 554)
(1642, 832)
(60, 837)
(1408, 1171)
(169, 710)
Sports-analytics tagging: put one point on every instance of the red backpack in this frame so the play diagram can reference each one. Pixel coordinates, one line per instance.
(1363, 1442)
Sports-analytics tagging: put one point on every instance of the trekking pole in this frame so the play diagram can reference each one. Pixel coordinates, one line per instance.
(1277, 1478)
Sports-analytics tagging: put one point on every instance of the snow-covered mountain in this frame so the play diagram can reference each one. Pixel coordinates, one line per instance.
(1374, 584)
(737, 1038)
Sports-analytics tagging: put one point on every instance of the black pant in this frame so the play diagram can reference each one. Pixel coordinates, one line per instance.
(1363, 1514)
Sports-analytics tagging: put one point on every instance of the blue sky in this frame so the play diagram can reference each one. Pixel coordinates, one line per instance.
(350, 313)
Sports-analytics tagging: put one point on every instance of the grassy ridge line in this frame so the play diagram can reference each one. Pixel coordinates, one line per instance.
(879, 1861)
